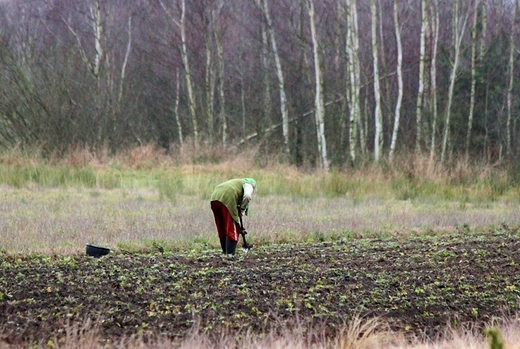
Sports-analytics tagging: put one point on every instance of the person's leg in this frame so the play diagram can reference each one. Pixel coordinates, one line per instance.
(232, 234)
(227, 227)
(231, 246)
(219, 214)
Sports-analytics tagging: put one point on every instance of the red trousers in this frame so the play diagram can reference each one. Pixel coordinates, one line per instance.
(226, 225)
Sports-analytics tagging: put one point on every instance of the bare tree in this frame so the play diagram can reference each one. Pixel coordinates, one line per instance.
(221, 85)
(378, 116)
(435, 25)
(94, 63)
(397, 113)
(473, 76)
(95, 21)
(92, 27)
(176, 106)
(420, 92)
(125, 63)
(103, 73)
(459, 27)
(319, 112)
(264, 6)
(353, 64)
(484, 26)
(384, 64)
(192, 104)
(18, 93)
(512, 52)
(95, 11)
(266, 73)
(210, 76)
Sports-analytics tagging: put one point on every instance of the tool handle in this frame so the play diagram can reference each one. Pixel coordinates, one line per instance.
(242, 229)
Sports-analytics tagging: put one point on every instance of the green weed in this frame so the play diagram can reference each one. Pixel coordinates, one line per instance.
(495, 341)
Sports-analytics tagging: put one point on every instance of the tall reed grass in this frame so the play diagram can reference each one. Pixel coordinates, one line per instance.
(196, 170)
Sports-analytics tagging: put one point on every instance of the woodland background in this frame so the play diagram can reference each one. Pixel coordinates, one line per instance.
(320, 82)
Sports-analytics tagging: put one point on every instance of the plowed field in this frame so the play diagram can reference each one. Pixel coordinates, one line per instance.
(416, 284)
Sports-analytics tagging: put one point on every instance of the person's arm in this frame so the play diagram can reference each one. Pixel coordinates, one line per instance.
(246, 199)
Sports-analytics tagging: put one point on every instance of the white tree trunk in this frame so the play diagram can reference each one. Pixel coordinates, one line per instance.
(397, 113)
(189, 83)
(176, 106)
(385, 95)
(354, 76)
(473, 76)
(125, 62)
(267, 80)
(458, 35)
(484, 23)
(264, 6)
(434, 13)
(512, 52)
(222, 96)
(378, 137)
(210, 78)
(420, 92)
(95, 11)
(192, 107)
(210, 91)
(98, 35)
(319, 112)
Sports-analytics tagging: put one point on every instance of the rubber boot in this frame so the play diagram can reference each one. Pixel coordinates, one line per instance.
(223, 245)
(231, 246)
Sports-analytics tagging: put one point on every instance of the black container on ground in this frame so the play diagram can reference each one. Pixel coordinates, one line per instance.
(96, 250)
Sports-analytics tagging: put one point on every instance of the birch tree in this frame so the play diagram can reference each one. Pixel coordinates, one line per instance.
(93, 64)
(210, 79)
(125, 63)
(473, 75)
(459, 27)
(264, 6)
(95, 11)
(222, 77)
(420, 92)
(483, 32)
(384, 64)
(434, 14)
(481, 54)
(354, 71)
(378, 117)
(397, 113)
(176, 106)
(192, 105)
(19, 114)
(512, 49)
(266, 74)
(319, 112)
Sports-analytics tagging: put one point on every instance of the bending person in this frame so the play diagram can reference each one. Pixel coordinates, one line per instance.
(229, 201)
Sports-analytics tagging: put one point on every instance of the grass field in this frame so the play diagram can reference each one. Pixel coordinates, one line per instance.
(142, 202)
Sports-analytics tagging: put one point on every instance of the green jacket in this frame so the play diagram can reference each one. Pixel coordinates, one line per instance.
(231, 194)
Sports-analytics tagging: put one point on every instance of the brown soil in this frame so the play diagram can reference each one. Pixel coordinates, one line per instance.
(415, 284)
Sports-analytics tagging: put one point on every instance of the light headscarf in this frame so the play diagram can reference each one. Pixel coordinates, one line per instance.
(252, 182)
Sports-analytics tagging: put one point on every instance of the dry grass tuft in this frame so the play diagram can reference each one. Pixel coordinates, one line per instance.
(206, 154)
(144, 157)
(83, 157)
(366, 334)
(358, 334)
(18, 157)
